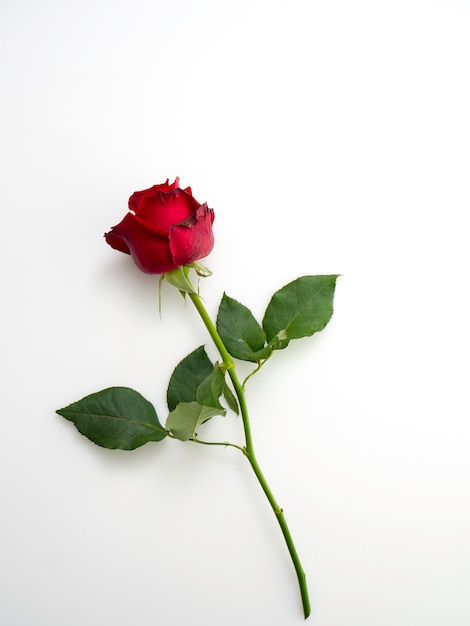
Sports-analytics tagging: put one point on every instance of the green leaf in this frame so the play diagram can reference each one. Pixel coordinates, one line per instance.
(117, 417)
(187, 376)
(239, 330)
(184, 420)
(210, 390)
(299, 309)
(230, 398)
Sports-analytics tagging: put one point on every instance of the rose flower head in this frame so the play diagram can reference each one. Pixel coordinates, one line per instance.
(165, 228)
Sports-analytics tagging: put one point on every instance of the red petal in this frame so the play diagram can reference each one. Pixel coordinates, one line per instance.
(162, 210)
(151, 252)
(193, 239)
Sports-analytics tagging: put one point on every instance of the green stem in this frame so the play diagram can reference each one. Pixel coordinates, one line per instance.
(227, 362)
(248, 450)
(278, 512)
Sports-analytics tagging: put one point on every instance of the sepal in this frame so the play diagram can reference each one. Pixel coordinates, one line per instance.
(179, 278)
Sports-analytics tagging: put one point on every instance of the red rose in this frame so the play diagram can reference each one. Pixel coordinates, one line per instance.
(166, 228)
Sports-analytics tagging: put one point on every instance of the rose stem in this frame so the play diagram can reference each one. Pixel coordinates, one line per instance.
(249, 451)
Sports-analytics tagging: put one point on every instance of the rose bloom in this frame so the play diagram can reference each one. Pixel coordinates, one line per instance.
(166, 228)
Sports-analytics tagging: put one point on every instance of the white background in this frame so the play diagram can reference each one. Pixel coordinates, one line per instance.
(329, 137)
